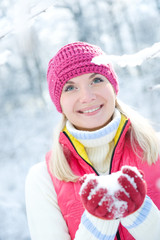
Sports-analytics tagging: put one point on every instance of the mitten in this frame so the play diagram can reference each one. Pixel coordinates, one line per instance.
(92, 227)
(114, 196)
(133, 189)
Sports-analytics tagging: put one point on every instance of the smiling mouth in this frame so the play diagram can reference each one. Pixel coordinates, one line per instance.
(91, 110)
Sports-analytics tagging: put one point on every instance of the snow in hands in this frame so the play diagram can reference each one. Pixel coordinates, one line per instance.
(113, 196)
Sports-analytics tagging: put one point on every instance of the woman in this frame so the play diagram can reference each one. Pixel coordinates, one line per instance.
(89, 187)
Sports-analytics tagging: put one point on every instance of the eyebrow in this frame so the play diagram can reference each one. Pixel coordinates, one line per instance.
(69, 82)
(92, 75)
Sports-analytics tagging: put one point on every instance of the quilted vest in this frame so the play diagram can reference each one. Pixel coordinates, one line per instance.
(68, 192)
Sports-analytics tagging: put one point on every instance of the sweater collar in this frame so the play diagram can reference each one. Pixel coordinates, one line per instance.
(80, 149)
(99, 137)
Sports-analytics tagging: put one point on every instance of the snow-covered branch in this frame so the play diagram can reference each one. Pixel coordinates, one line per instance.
(131, 59)
(30, 17)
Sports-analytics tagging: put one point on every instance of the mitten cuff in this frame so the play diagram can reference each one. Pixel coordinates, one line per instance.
(93, 228)
(141, 224)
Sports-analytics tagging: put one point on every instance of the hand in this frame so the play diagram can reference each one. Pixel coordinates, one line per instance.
(114, 196)
(133, 189)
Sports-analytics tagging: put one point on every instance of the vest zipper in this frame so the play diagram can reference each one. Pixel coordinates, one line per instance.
(116, 146)
(117, 234)
(80, 155)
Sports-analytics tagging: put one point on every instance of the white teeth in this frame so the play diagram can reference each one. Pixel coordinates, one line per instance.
(92, 110)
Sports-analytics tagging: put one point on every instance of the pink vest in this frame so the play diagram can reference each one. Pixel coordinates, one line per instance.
(68, 192)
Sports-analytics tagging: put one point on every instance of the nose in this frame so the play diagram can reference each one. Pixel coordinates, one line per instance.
(87, 95)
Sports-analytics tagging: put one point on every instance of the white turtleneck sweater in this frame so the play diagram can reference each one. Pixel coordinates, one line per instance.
(44, 215)
(98, 144)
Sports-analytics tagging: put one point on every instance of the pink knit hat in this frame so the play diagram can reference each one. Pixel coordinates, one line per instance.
(73, 60)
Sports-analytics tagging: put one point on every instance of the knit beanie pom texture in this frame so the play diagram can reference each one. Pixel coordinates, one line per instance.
(73, 60)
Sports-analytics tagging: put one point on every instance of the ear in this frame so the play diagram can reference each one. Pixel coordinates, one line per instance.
(116, 102)
(63, 115)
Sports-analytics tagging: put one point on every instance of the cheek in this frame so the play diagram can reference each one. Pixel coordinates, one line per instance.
(66, 104)
(109, 94)
(62, 103)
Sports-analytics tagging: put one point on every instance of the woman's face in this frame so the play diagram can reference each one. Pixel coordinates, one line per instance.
(88, 101)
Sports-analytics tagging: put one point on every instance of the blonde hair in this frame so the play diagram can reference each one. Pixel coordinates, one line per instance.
(59, 166)
(141, 133)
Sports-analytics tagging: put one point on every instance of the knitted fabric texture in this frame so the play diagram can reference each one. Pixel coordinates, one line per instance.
(73, 60)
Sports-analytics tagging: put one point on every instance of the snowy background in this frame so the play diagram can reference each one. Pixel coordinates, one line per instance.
(30, 34)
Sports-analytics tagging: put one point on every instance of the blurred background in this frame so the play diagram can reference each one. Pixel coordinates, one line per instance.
(31, 32)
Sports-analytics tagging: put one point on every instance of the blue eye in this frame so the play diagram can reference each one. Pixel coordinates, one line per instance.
(69, 88)
(98, 80)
